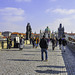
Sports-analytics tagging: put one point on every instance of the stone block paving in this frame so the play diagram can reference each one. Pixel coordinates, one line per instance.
(28, 62)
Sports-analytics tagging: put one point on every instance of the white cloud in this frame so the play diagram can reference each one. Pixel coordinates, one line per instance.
(12, 14)
(23, 0)
(64, 11)
(12, 19)
(61, 11)
(11, 11)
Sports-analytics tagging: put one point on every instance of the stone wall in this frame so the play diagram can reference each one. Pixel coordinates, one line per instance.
(71, 45)
(4, 44)
(0, 45)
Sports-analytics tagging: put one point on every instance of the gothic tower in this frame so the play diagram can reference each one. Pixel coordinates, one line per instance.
(60, 31)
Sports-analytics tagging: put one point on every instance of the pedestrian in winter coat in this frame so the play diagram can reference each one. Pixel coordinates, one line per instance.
(33, 41)
(21, 43)
(44, 47)
(56, 41)
(64, 43)
(9, 42)
(60, 43)
(48, 40)
(53, 43)
(37, 42)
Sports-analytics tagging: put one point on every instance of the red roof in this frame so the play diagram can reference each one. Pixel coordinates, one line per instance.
(4, 37)
(15, 33)
(19, 33)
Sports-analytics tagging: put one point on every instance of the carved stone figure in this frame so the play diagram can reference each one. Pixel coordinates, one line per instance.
(28, 31)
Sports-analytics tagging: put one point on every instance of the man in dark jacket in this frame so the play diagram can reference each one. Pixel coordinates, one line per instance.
(9, 42)
(53, 43)
(64, 43)
(44, 47)
(33, 41)
(60, 42)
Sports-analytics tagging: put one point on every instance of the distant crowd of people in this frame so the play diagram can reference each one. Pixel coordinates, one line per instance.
(35, 41)
(17, 44)
(43, 43)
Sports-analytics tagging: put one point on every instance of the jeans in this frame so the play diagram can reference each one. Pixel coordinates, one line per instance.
(42, 54)
(36, 45)
(59, 46)
(63, 48)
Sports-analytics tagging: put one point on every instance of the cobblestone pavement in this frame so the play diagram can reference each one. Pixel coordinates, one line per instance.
(28, 62)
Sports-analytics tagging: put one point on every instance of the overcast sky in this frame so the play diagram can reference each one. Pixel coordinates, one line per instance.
(15, 14)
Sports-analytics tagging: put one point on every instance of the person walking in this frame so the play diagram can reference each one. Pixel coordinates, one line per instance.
(21, 43)
(37, 42)
(33, 41)
(8, 42)
(64, 43)
(48, 40)
(56, 41)
(53, 43)
(60, 43)
(44, 48)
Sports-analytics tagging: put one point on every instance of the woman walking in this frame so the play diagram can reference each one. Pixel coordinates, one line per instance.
(60, 42)
(53, 43)
(21, 43)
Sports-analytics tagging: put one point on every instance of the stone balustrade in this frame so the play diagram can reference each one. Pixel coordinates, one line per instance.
(0, 45)
(71, 45)
(3, 44)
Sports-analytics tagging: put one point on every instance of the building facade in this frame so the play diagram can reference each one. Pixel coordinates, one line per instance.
(6, 33)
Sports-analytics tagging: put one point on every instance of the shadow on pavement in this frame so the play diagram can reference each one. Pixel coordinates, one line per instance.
(21, 60)
(10, 50)
(50, 71)
(52, 66)
(32, 51)
(30, 54)
(28, 47)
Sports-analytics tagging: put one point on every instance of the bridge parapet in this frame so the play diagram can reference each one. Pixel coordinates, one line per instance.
(71, 45)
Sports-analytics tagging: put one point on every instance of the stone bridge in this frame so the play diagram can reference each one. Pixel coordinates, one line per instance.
(28, 61)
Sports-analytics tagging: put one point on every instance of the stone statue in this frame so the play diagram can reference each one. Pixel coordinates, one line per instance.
(28, 31)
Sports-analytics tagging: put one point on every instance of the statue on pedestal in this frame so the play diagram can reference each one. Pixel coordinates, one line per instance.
(28, 31)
